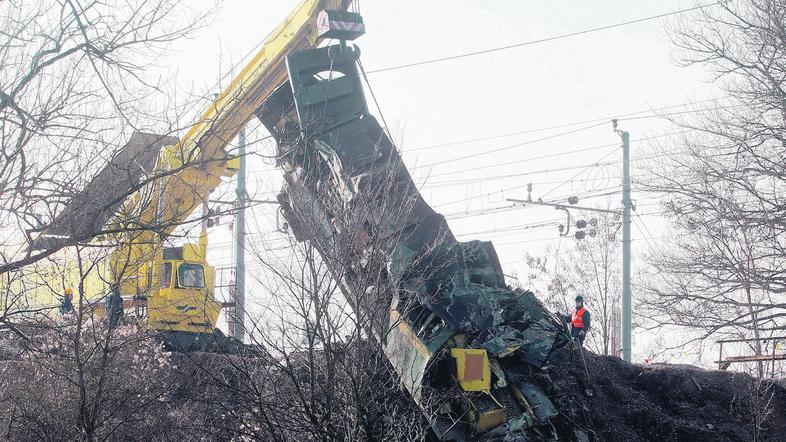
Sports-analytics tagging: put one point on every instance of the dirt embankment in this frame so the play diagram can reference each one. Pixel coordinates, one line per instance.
(626, 402)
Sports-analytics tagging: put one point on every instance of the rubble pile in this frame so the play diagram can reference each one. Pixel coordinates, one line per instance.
(623, 402)
(618, 402)
(628, 402)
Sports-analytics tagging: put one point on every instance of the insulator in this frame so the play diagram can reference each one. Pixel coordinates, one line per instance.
(580, 224)
(573, 200)
(580, 234)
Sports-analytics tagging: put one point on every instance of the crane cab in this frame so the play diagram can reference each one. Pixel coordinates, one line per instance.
(183, 300)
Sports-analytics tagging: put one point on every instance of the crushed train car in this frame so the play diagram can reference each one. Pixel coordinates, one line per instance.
(465, 345)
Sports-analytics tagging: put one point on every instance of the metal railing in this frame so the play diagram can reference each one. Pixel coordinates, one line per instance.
(778, 353)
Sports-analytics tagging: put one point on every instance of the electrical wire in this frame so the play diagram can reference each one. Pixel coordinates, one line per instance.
(541, 157)
(620, 117)
(647, 230)
(518, 229)
(584, 167)
(510, 243)
(585, 149)
(374, 97)
(511, 146)
(577, 174)
(537, 172)
(541, 40)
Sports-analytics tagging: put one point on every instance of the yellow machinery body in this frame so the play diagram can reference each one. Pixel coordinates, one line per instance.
(149, 276)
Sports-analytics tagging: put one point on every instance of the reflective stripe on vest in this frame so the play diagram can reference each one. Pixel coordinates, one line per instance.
(577, 320)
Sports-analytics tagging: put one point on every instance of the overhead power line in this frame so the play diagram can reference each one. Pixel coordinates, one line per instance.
(584, 168)
(512, 146)
(540, 40)
(520, 228)
(576, 175)
(535, 172)
(441, 183)
(619, 117)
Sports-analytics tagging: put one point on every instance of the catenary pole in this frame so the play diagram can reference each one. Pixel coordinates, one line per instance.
(240, 241)
(627, 205)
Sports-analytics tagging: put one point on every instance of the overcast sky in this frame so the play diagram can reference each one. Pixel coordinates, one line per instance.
(433, 109)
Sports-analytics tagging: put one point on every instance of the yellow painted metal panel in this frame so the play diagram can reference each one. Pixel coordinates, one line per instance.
(473, 368)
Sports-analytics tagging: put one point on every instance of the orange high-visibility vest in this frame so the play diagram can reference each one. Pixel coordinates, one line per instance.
(577, 320)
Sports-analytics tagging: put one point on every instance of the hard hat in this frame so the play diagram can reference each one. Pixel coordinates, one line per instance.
(68, 291)
(579, 298)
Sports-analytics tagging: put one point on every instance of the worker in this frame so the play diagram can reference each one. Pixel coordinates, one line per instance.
(579, 321)
(67, 305)
(114, 307)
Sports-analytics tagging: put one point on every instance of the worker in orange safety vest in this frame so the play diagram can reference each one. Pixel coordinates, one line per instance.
(579, 321)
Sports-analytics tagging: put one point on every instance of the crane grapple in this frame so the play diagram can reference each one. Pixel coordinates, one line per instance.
(468, 348)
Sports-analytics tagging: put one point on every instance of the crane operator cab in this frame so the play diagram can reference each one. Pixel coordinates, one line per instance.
(182, 305)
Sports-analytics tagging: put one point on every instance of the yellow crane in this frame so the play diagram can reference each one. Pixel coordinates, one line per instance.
(173, 287)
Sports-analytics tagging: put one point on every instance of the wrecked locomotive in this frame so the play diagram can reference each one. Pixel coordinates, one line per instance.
(466, 346)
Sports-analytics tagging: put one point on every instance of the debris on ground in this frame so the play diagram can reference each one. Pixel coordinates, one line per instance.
(664, 402)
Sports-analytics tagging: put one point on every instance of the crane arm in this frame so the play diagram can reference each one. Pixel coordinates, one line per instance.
(200, 159)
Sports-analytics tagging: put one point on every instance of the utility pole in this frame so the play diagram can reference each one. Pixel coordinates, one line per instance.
(240, 241)
(627, 205)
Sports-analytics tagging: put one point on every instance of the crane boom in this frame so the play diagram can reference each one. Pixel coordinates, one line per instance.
(198, 162)
(168, 179)
(194, 166)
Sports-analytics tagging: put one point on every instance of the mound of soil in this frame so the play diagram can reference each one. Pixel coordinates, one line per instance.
(624, 402)
(618, 402)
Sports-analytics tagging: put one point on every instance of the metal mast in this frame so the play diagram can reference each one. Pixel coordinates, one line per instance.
(627, 205)
(240, 241)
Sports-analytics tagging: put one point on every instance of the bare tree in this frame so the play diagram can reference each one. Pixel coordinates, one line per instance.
(65, 384)
(73, 82)
(723, 182)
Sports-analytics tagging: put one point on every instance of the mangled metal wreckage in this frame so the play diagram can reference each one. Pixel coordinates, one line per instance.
(464, 344)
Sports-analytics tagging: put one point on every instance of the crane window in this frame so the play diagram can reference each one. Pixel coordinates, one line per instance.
(190, 276)
(165, 276)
